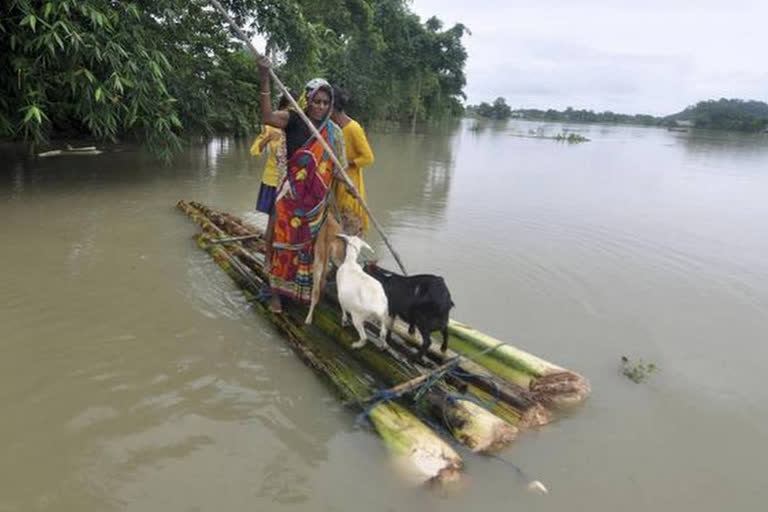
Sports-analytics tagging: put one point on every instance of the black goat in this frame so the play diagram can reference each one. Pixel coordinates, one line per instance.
(423, 301)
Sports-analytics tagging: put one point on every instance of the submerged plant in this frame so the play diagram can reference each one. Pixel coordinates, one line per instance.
(571, 138)
(637, 371)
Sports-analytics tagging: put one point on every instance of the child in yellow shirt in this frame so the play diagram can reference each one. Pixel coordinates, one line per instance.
(273, 140)
(359, 155)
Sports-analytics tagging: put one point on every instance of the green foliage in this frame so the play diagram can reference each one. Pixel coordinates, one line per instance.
(637, 371)
(393, 66)
(586, 116)
(499, 109)
(83, 67)
(726, 114)
(153, 70)
(571, 138)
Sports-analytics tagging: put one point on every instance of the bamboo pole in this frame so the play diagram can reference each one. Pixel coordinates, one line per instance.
(416, 449)
(236, 239)
(341, 170)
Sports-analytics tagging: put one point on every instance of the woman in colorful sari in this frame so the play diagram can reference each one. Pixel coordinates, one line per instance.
(354, 220)
(300, 205)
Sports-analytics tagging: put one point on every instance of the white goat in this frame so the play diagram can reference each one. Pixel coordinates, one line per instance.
(360, 295)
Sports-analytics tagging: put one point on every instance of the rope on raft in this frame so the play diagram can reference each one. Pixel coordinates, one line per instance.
(313, 129)
(423, 383)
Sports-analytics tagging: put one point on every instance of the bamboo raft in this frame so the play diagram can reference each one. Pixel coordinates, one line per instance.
(478, 395)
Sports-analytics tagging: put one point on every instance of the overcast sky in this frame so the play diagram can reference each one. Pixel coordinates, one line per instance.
(650, 56)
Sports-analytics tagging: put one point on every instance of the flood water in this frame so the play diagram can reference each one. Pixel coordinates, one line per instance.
(134, 376)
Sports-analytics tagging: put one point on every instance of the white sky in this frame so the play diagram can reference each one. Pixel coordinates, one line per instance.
(650, 56)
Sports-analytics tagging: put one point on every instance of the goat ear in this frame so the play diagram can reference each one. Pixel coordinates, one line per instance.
(365, 244)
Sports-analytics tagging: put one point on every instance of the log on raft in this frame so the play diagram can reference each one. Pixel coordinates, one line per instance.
(549, 383)
(421, 455)
(527, 378)
(470, 424)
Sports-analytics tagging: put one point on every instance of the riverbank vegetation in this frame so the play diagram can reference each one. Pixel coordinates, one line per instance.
(722, 114)
(157, 71)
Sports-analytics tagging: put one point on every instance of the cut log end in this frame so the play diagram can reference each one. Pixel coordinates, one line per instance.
(535, 416)
(503, 435)
(560, 389)
(480, 430)
(447, 478)
(424, 466)
(421, 456)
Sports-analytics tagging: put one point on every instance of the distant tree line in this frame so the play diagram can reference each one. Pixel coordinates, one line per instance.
(586, 116)
(722, 114)
(498, 110)
(728, 114)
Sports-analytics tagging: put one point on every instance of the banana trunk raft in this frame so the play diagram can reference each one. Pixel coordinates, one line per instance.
(479, 394)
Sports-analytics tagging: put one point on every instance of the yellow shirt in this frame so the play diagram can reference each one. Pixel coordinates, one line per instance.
(272, 172)
(359, 155)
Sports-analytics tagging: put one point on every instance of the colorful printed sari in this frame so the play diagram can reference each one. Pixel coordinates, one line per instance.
(300, 211)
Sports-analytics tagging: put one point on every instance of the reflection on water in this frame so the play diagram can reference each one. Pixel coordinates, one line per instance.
(133, 375)
(414, 187)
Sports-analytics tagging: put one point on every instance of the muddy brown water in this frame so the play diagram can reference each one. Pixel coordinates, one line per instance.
(133, 375)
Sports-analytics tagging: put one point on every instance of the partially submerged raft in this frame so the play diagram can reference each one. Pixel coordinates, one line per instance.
(479, 394)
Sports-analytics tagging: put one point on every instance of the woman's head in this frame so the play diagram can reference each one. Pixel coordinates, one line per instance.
(319, 99)
(340, 100)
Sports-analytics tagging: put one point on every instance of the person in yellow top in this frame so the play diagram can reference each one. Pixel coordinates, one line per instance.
(273, 140)
(359, 155)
